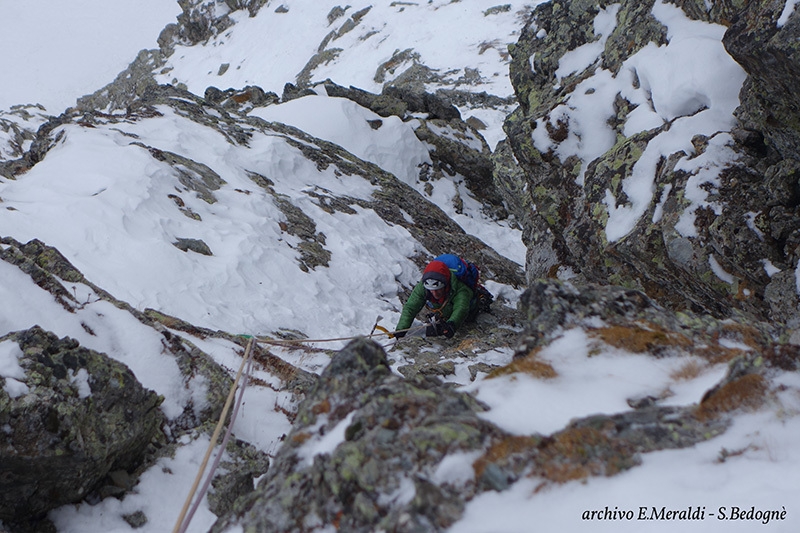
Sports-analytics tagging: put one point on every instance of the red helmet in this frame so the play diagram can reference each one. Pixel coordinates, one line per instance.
(436, 276)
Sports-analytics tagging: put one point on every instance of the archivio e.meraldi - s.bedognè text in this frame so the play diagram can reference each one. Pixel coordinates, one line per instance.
(752, 514)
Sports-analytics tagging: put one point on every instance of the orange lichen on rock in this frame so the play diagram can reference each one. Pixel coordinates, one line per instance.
(783, 356)
(743, 333)
(322, 407)
(638, 339)
(502, 452)
(716, 353)
(241, 97)
(467, 345)
(301, 437)
(577, 453)
(531, 364)
(748, 392)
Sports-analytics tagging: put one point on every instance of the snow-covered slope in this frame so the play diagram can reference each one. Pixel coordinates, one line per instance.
(363, 44)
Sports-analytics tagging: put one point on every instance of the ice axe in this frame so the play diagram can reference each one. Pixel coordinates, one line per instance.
(376, 326)
(382, 329)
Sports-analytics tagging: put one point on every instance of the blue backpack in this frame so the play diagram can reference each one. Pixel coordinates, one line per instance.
(466, 272)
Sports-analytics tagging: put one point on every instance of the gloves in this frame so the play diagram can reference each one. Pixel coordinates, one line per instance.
(447, 329)
(399, 334)
(441, 328)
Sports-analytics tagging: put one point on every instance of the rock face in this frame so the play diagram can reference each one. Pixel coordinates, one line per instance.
(769, 135)
(740, 251)
(367, 448)
(608, 311)
(75, 416)
(389, 436)
(49, 269)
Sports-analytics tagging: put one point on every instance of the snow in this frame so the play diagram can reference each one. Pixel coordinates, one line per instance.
(105, 204)
(769, 268)
(797, 278)
(326, 443)
(720, 272)
(456, 468)
(685, 91)
(691, 83)
(80, 380)
(10, 370)
(384, 30)
(608, 379)
(132, 343)
(475, 40)
(159, 494)
(698, 477)
(585, 55)
(347, 124)
(788, 9)
(404, 494)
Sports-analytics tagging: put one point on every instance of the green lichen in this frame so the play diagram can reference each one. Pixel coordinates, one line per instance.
(600, 213)
(443, 436)
(348, 459)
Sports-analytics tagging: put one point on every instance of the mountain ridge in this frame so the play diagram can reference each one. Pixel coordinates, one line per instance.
(167, 225)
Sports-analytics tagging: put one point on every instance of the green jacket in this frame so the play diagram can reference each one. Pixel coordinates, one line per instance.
(455, 310)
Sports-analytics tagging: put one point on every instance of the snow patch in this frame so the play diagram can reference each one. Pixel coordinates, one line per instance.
(10, 353)
(788, 10)
(719, 271)
(326, 443)
(456, 468)
(769, 268)
(356, 129)
(80, 380)
(584, 56)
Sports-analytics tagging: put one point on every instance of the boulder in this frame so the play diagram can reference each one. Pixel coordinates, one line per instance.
(74, 417)
(363, 451)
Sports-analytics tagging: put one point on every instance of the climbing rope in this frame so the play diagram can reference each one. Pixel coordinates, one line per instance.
(183, 520)
(289, 342)
(243, 374)
(281, 342)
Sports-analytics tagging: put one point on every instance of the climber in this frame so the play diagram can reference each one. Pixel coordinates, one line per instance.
(449, 288)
